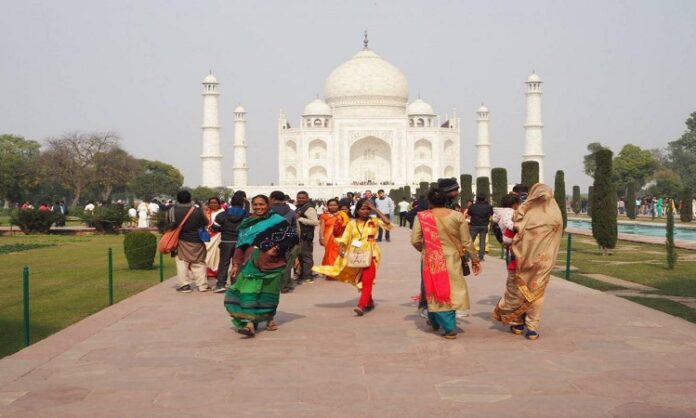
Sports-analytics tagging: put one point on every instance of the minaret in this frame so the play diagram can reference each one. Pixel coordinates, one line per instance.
(533, 127)
(211, 157)
(483, 144)
(239, 167)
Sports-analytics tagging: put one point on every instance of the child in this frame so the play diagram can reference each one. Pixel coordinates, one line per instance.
(503, 217)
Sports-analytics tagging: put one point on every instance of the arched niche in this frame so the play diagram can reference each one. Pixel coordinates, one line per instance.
(317, 175)
(423, 149)
(370, 160)
(317, 150)
(448, 149)
(290, 174)
(423, 173)
(449, 172)
(291, 150)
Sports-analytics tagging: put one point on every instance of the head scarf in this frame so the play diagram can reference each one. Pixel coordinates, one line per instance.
(539, 226)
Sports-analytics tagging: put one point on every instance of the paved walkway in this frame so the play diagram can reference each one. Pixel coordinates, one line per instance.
(164, 354)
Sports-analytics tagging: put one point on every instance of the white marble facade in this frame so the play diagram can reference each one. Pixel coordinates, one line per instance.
(366, 132)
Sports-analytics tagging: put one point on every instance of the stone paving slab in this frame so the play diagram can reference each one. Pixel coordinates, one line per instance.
(164, 354)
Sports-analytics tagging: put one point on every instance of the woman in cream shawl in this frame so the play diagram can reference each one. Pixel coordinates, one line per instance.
(539, 227)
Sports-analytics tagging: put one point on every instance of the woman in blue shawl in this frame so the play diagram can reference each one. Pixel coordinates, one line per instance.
(258, 263)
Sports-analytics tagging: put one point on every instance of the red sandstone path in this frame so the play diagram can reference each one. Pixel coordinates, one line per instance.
(162, 354)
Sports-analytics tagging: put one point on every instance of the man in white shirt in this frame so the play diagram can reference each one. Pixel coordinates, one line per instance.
(403, 211)
(386, 206)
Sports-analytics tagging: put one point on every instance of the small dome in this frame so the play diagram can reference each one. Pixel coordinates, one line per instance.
(239, 109)
(210, 79)
(317, 107)
(534, 78)
(368, 78)
(420, 107)
(483, 108)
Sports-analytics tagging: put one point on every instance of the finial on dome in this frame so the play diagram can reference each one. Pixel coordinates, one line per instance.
(365, 41)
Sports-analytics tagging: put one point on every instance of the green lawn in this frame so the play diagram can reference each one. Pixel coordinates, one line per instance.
(68, 281)
(667, 306)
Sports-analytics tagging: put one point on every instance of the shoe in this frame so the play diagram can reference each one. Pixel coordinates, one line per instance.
(368, 308)
(286, 290)
(205, 289)
(379, 240)
(462, 314)
(517, 329)
(219, 288)
(359, 312)
(388, 239)
(531, 335)
(423, 313)
(184, 289)
(309, 280)
(452, 335)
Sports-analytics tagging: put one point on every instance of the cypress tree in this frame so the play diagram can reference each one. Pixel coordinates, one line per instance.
(589, 201)
(669, 243)
(686, 213)
(560, 195)
(603, 202)
(530, 173)
(631, 200)
(407, 193)
(423, 188)
(483, 186)
(499, 180)
(577, 200)
(465, 184)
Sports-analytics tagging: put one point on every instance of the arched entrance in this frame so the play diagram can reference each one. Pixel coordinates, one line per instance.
(370, 160)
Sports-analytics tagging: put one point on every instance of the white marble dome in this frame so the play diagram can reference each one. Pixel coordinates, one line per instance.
(239, 109)
(317, 107)
(482, 109)
(420, 107)
(366, 78)
(534, 78)
(210, 79)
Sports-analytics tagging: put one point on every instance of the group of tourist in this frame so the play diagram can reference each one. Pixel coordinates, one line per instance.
(258, 249)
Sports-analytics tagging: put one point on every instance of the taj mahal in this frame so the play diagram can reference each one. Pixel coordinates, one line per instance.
(363, 133)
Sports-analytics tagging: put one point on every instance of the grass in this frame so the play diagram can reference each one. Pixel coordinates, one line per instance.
(667, 306)
(592, 283)
(13, 248)
(68, 281)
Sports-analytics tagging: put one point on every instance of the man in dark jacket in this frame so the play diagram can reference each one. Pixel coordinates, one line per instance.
(480, 214)
(227, 223)
(279, 206)
(190, 254)
(307, 221)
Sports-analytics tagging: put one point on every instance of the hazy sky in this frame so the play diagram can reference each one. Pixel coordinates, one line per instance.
(613, 71)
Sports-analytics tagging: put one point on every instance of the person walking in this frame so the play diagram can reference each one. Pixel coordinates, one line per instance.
(450, 188)
(480, 214)
(332, 223)
(442, 236)
(403, 211)
(539, 227)
(227, 223)
(359, 254)
(258, 264)
(386, 205)
(212, 257)
(280, 206)
(190, 253)
(307, 221)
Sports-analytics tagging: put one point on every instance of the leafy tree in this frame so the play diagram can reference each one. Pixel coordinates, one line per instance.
(530, 173)
(603, 202)
(71, 159)
(483, 186)
(589, 160)
(155, 178)
(631, 201)
(669, 242)
(466, 182)
(202, 193)
(576, 203)
(633, 165)
(666, 183)
(686, 208)
(560, 195)
(682, 153)
(114, 169)
(499, 180)
(19, 162)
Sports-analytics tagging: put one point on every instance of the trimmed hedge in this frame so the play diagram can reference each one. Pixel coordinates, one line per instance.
(33, 221)
(140, 248)
(499, 183)
(530, 173)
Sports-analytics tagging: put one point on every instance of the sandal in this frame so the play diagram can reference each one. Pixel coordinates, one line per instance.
(271, 326)
(452, 335)
(248, 330)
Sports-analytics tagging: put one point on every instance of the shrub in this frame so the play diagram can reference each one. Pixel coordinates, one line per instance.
(33, 221)
(407, 193)
(530, 173)
(483, 186)
(499, 183)
(686, 209)
(631, 200)
(669, 242)
(560, 195)
(107, 218)
(465, 183)
(140, 248)
(576, 203)
(603, 202)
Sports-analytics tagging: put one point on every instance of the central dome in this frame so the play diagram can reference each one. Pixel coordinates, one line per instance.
(366, 79)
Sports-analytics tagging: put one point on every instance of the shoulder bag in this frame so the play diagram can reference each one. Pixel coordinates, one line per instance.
(357, 257)
(461, 250)
(170, 239)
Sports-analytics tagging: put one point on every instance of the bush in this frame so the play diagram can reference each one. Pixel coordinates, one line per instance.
(465, 183)
(33, 221)
(140, 248)
(686, 209)
(107, 219)
(499, 183)
(483, 186)
(530, 173)
(603, 202)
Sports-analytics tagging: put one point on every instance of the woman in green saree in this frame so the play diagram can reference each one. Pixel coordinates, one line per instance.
(258, 264)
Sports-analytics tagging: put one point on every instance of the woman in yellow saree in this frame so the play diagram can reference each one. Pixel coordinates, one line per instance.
(539, 227)
(332, 224)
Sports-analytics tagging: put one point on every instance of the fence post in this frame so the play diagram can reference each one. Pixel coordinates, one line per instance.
(25, 291)
(161, 267)
(111, 277)
(568, 251)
